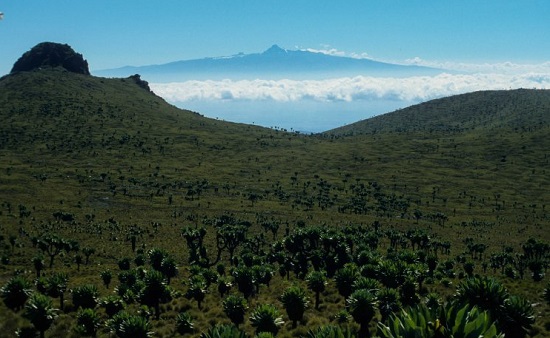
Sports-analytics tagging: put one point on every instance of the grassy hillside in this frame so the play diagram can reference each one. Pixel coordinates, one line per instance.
(479, 111)
(104, 162)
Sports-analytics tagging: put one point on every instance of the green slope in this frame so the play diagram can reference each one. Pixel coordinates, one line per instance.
(62, 132)
(483, 111)
(115, 156)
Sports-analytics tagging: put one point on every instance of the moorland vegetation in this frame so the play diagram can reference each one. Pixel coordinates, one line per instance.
(124, 216)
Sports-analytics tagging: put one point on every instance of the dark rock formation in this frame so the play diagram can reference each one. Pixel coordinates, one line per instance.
(142, 83)
(50, 54)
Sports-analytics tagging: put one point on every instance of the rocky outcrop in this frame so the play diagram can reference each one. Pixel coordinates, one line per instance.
(50, 54)
(142, 83)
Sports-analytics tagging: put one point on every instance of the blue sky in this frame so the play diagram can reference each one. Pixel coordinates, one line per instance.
(116, 33)
(501, 44)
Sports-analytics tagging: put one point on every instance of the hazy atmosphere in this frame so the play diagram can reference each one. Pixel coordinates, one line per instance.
(474, 46)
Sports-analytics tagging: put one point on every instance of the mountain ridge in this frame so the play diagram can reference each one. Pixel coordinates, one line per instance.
(273, 63)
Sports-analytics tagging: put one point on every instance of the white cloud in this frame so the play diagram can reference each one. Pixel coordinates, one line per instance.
(347, 89)
(328, 50)
(502, 67)
(506, 67)
(331, 51)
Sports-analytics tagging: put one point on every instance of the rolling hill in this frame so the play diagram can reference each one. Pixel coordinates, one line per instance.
(106, 164)
(485, 110)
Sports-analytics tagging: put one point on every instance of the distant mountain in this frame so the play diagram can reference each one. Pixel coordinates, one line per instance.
(523, 109)
(274, 63)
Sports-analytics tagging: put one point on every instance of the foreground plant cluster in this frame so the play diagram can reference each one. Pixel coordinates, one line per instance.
(385, 282)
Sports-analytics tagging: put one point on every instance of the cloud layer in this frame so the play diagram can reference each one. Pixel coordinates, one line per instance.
(347, 89)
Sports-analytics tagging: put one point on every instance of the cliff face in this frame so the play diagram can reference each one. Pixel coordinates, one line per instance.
(50, 54)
